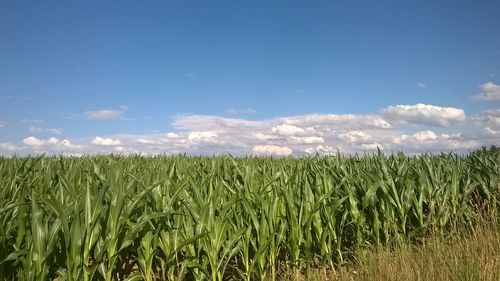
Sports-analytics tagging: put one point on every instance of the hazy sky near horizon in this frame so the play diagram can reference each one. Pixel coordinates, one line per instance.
(241, 77)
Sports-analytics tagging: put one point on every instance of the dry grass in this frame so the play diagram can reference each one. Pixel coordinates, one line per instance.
(462, 257)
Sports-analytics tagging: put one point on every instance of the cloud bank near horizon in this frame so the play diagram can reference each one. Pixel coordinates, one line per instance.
(409, 128)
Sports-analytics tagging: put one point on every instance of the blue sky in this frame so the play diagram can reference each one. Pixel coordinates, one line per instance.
(223, 76)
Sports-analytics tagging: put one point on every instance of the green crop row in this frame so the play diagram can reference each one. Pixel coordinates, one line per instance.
(221, 218)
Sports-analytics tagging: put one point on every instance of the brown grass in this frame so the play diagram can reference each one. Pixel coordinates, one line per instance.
(461, 257)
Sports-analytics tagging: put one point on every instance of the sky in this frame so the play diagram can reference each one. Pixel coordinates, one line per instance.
(248, 77)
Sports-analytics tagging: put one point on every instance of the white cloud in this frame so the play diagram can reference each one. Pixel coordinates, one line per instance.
(491, 134)
(120, 149)
(322, 149)
(491, 92)
(488, 118)
(262, 137)
(9, 147)
(32, 141)
(302, 134)
(307, 140)
(51, 145)
(105, 141)
(425, 136)
(202, 137)
(424, 114)
(106, 114)
(344, 121)
(2, 124)
(269, 149)
(172, 135)
(356, 136)
(372, 146)
(146, 141)
(430, 141)
(287, 130)
(420, 85)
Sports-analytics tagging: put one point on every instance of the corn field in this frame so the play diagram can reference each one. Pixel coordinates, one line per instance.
(225, 218)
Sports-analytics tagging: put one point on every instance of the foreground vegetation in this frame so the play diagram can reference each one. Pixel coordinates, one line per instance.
(220, 218)
(468, 255)
(458, 257)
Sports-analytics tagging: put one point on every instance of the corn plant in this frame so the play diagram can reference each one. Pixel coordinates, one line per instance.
(218, 218)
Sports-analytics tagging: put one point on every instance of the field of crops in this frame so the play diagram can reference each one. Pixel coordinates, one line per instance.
(221, 218)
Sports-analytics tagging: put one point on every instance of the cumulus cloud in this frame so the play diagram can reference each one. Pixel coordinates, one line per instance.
(105, 114)
(262, 136)
(490, 133)
(202, 137)
(269, 149)
(371, 146)
(8, 147)
(172, 135)
(298, 135)
(489, 118)
(307, 140)
(356, 136)
(105, 141)
(424, 114)
(52, 144)
(491, 92)
(322, 149)
(287, 130)
(430, 141)
(32, 141)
